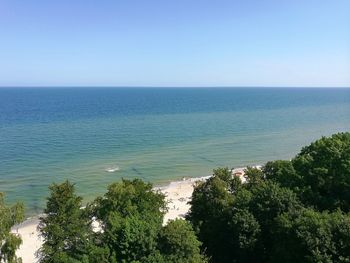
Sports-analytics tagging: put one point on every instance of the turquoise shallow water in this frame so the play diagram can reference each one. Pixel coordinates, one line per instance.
(48, 135)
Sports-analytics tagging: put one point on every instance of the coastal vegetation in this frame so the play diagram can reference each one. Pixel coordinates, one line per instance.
(9, 242)
(295, 210)
(129, 227)
(65, 227)
(292, 210)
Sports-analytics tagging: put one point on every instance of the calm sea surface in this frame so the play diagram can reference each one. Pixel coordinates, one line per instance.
(49, 135)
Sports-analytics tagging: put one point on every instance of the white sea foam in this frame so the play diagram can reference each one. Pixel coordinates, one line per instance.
(112, 169)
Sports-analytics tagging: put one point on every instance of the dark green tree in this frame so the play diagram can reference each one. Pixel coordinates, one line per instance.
(235, 184)
(9, 242)
(235, 226)
(253, 176)
(243, 233)
(223, 174)
(178, 243)
(208, 214)
(131, 216)
(324, 167)
(270, 217)
(269, 200)
(65, 228)
(282, 172)
(311, 236)
(131, 197)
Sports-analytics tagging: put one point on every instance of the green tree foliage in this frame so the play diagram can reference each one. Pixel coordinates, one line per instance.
(235, 226)
(282, 172)
(9, 242)
(291, 211)
(311, 236)
(280, 213)
(178, 243)
(253, 176)
(131, 216)
(65, 228)
(243, 233)
(223, 174)
(319, 174)
(269, 200)
(210, 201)
(131, 198)
(324, 167)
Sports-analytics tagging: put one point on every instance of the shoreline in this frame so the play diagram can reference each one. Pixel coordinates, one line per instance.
(177, 195)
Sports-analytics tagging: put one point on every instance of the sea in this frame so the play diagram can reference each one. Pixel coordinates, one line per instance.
(96, 136)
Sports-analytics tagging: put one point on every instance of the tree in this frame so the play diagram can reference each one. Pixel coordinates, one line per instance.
(9, 242)
(223, 174)
(311, 236)
(208, 214)
(271, 217)
(269, 200)
(324, 167)
(243, 233)
(253, 176)
(209, 199)
(130, 197)
(65, 228)
(235, 226)
(282, 172)
(131, 216)
(178, 243)
(131, 238)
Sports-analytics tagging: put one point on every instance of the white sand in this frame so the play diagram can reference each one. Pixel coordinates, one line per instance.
(178, 194)
(31, 241)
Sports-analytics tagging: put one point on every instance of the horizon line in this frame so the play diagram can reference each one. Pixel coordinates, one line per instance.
(173, 87)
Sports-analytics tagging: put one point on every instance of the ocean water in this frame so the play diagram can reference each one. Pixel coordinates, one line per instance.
(51, 134)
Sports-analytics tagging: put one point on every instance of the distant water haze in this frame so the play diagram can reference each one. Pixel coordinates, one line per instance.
(95, 136)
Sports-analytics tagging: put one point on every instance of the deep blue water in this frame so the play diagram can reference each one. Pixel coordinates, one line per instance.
(51, 134)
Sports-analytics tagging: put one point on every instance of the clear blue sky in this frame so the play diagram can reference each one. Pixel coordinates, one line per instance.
(175, 43)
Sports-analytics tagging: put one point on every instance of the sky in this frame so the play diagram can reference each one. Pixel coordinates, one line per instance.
(177, 43)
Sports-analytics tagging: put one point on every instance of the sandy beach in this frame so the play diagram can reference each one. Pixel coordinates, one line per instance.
(178, 194)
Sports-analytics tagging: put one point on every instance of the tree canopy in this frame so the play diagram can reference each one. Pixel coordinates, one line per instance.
(130, 217)
(65, 228)
(292, 210)
(324, 167)
(9, 242)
